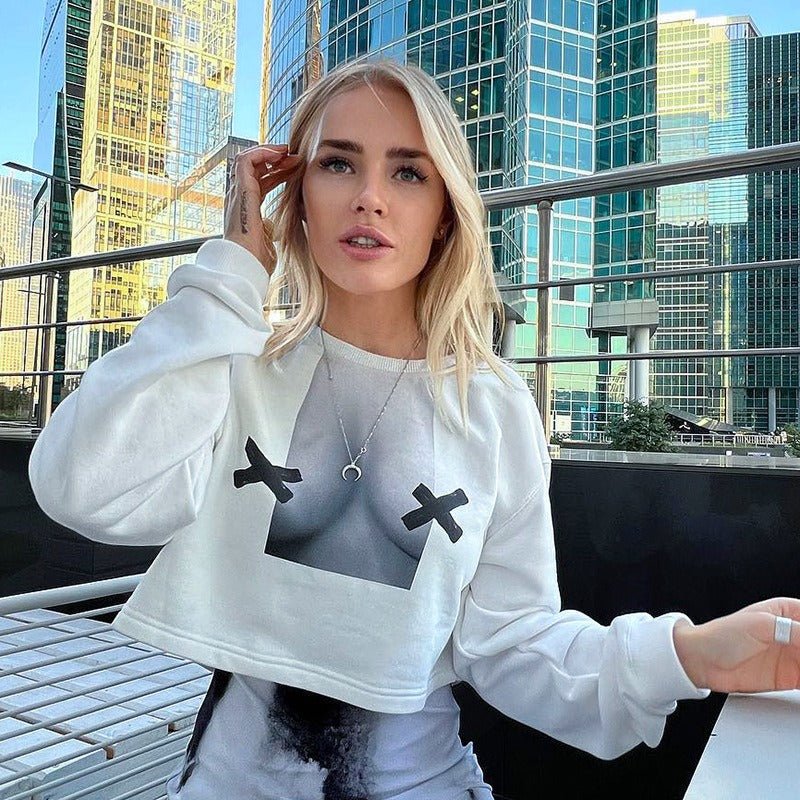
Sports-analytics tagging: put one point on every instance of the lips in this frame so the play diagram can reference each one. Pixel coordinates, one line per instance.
(366, 230)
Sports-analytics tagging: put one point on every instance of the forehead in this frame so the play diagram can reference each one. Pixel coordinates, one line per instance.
(372, 112)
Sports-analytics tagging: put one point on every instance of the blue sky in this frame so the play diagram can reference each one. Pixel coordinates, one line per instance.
(771, 16)
(21, 23)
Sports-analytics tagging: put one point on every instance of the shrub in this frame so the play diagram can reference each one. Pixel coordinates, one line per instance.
(642, 428)
(792, 439)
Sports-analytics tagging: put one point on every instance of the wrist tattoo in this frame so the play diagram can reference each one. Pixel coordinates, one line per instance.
(243, 212)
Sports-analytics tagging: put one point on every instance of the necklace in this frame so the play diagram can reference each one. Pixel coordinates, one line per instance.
(352, 465)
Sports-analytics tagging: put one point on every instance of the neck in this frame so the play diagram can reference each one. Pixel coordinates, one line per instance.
(383, 325)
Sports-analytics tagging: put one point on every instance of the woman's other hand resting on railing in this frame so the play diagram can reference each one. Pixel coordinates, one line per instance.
(756, 649)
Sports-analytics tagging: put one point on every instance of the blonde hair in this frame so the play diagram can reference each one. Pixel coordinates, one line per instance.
(456, 291)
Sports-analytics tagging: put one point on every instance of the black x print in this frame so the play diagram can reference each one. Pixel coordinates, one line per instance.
(436, 507)
(262, 471)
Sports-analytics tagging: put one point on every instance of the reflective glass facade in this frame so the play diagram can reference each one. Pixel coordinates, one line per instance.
(159, 100)
(773, 80)
(58, 146)
(724, 88)
(18, 305)
(702, 110)
(560, 145)
(626, 130)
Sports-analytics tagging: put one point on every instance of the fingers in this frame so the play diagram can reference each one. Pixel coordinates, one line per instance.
(257, 158)
(780, 606)
(265, 166)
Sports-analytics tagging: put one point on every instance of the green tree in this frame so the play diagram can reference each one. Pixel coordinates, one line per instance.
(14, 402)
(793, 439)
(642, 428)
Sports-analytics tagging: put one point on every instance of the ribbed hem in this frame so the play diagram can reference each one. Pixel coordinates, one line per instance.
(342, 349)
(220, 655)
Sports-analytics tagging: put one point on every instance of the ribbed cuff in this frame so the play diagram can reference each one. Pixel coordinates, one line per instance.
(660, 674)
(227, 256)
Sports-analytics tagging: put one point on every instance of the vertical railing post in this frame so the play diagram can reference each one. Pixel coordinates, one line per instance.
(545, 209)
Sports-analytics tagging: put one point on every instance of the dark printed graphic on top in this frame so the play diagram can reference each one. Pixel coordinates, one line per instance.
(375, 528)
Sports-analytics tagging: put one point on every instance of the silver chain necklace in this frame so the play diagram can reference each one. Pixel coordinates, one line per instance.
(352, 465)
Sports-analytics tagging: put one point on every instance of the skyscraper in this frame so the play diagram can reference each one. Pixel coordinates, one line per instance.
(724, 88)
(767, 394)
(59, 143)
(624, 315)
(18, 298)
(702, 110)
(159, 100)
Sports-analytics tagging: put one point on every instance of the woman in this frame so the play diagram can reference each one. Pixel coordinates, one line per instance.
(353, 504)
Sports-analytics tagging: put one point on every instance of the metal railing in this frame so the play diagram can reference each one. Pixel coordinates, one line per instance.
(86, 712)
(77, 658)
(543, 196)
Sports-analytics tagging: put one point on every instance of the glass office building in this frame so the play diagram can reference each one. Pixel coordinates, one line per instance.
(58, 147)
(767, 394)
(18, 304)
(724, 88)
(159, 99)
(624, 315)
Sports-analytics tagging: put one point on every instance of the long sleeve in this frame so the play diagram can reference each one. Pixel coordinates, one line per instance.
(601, 689)
(125, 458)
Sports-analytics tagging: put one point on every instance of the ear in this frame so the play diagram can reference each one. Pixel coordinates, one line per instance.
(446, 219)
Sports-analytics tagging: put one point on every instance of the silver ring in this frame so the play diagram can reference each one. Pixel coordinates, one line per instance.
(783, 630)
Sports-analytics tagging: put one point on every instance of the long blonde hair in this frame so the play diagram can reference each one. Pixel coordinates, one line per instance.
(456, 293)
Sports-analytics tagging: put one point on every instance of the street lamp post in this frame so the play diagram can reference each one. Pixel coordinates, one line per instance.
(43, 354)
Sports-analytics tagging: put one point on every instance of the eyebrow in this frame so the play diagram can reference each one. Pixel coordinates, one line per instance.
(392, 152)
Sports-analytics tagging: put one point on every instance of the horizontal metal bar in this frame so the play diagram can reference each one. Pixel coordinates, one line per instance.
(141, 253)
(659, 274)
(70, 324)
(117, 779)
(46, 623)
(656, 274)
(31, 372)
(91, 729)
(659, 354)
(131, 793)
(648, 176)
(53, 784)
(62, 595)
(67, 637)
(80, 673)
(48, 662)
(653, 354)
(70, 695)
(90, 749)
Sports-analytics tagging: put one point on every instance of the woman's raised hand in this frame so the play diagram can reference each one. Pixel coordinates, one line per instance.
(740, 652)
(257, 171)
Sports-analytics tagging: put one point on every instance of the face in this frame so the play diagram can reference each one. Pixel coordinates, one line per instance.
(355, 179)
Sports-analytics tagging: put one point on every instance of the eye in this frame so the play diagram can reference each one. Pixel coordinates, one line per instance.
(327, 162)
(333, 160)
(414, 171)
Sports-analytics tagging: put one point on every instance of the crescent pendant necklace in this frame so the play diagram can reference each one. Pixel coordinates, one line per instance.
(352, 466)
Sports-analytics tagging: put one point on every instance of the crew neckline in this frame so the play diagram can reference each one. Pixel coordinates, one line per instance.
(339, 347)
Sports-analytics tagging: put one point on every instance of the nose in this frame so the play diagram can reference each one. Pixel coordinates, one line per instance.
(370, 197)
